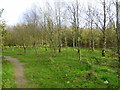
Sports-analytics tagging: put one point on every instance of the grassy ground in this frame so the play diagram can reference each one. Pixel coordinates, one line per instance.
(47, 69)
(0, 72)
(8, 79)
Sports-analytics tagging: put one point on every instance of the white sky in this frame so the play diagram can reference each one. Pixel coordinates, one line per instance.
(13, 9)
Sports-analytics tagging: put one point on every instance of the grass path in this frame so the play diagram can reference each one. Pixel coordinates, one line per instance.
(19, 71)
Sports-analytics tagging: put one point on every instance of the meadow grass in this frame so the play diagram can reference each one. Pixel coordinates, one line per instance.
(8, 78)
(49, 69)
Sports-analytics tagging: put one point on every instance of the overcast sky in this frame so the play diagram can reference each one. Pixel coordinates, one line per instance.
(13, 9)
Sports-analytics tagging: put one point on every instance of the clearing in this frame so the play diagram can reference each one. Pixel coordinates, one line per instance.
(48, 69)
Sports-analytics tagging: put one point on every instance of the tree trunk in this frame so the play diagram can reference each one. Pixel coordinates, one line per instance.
(45, 42)
(24, 50)
(92, 38)
(90, 44)
(59, 41)
(104, 30)
(118, 30)
(79, 48)
(59, 49)
(93, 45)
(104, 45)
(24, 47)
(73, 42)
(65, 41)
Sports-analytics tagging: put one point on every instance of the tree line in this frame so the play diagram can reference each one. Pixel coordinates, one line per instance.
(67, 25)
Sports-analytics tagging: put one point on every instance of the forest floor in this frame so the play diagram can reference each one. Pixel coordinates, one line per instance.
(49, 69)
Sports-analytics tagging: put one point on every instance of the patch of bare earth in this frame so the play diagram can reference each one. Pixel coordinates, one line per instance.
(19, 71)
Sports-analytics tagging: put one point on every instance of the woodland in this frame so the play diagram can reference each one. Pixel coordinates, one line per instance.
(67, 45)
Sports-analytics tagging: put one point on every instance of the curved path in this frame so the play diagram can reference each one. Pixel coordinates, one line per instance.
(19, 71)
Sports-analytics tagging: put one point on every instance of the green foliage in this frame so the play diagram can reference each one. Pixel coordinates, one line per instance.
(21, 34)
(3, 31)
(111, 37)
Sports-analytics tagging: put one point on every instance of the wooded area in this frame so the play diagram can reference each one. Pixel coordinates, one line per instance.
(66, 25)
(49, 27)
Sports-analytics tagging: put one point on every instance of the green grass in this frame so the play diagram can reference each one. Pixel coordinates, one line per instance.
(0, 73)
(8, 79)
(47, 69)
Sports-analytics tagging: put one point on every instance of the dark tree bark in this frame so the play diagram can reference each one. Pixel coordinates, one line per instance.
(118, 29)
(92, 38)
(104, 30)
(79, 48)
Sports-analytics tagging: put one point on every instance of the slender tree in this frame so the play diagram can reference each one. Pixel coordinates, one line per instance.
(74, 10)
(102, 21)
(118, 27)
(58, 23)
(90, 21)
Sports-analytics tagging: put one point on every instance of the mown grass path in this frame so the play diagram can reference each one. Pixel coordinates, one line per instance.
(19, 71)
